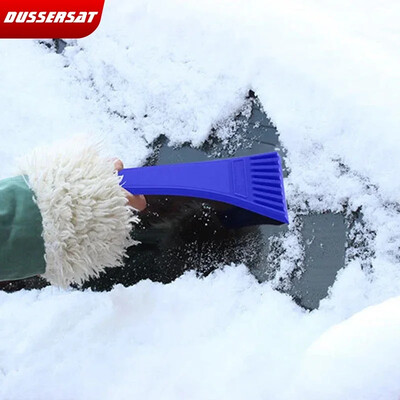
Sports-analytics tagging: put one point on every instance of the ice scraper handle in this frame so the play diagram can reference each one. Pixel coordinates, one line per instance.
(254, 182)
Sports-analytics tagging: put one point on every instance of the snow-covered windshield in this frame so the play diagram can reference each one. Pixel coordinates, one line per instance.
(327, 75)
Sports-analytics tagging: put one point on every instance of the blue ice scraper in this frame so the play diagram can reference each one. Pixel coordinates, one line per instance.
(254, 183)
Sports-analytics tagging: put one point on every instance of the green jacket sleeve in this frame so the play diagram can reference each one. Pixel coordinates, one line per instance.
(21, 243)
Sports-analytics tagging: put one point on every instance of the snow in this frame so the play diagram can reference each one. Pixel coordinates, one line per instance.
(357, 359)
(328, 75)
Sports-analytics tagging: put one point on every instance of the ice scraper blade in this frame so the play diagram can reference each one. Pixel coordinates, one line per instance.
(254, 182)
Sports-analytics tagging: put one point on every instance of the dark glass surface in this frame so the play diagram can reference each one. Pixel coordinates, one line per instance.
(179, 234)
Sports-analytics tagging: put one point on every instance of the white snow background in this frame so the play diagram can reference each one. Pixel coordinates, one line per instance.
(328, 75)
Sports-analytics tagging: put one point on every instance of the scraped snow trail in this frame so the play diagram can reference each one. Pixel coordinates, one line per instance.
(328, 75)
